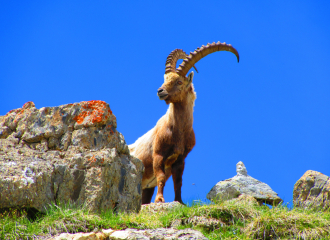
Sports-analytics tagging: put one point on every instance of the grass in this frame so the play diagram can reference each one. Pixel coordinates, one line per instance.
(241, 220)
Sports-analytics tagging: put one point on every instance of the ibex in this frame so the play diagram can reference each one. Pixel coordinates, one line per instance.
(164, 148)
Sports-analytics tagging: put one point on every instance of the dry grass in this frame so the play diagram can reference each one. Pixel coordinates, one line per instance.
(282, 223)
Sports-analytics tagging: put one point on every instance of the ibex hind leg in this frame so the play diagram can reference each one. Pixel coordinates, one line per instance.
(147, 195)
(177, 172)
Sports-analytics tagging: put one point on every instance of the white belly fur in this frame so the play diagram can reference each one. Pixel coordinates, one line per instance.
(149, 183)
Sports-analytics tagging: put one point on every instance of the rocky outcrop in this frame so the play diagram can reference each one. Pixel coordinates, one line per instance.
(246, 199)
(159, 233)
(71, 153)
(242, 183)
(160, 207)
(195, 221)
(148, 234)
(312, 190)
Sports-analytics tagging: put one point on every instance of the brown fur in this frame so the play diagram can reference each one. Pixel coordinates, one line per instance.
(164, 148)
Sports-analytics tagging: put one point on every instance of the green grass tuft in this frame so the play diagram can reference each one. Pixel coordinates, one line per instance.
(241, 220)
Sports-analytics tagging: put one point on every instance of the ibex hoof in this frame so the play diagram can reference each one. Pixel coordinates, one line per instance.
(159, 199)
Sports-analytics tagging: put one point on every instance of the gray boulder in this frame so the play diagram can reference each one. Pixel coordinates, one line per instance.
(312, 190)
(242, 183)
(71, 153)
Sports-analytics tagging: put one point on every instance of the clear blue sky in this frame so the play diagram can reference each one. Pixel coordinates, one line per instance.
(270, 111)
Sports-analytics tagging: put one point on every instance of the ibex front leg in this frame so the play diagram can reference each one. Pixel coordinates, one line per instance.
(159, 171)
(177, 172)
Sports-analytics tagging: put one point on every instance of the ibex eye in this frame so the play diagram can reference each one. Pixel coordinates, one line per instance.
(179, 82)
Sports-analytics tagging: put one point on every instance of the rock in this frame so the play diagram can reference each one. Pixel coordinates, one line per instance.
(107, 232)
(69, 153)
(242, 183)
(312, 190)
(126, 235)
(159, 233)
(103, 235)
(147, 234)
(78, 236)
(246, 199)
(196, 221)
(156, 207)
(199, 221)
(207, 223)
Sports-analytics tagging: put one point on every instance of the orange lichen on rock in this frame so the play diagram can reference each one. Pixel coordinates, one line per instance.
(93, 112)
(11, 111)
(110, 129)
(22, 110)
(92, 159)
(29, 104)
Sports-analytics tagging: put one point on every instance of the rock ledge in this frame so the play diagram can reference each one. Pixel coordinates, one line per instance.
(70, 153)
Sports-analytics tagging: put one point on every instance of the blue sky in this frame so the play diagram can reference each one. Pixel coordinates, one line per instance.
(270, 111)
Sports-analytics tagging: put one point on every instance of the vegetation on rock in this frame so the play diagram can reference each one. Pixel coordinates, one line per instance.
(225, 220)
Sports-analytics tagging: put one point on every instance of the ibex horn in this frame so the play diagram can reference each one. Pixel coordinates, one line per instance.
(199, 53)
(173, 57)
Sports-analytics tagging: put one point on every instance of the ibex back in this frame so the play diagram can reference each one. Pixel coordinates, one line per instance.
(164, 148)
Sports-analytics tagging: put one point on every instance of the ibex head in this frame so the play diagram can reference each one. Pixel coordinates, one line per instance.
(176, 85)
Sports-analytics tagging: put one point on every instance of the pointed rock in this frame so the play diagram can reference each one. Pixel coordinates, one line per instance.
(242, 183)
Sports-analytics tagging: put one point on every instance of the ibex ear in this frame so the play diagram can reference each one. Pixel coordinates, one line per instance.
(190, 77)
